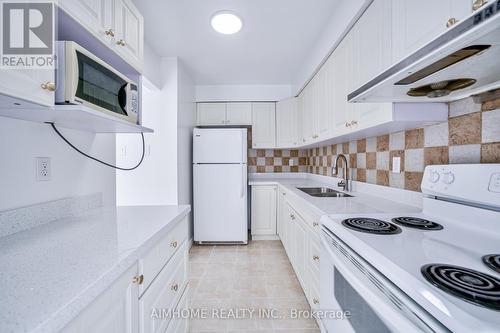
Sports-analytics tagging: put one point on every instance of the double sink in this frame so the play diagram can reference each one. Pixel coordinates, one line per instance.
(323, 192)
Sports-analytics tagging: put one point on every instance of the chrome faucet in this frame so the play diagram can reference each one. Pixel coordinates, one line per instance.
(345, 182)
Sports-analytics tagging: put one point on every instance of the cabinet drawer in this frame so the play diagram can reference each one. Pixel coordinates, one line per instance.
(151, 264)
(164, 293)
(311, 219)
(180, 324)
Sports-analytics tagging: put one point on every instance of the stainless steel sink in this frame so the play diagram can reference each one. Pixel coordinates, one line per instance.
(323, 192)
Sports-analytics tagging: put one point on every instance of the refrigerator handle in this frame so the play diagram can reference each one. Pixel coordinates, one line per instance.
(242, 180)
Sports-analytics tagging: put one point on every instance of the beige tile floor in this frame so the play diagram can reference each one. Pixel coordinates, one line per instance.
(255, 276)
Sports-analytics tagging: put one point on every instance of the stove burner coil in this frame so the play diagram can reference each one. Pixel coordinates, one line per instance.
(492, 261)
(417, 223)
(372, 226)
(469, 285)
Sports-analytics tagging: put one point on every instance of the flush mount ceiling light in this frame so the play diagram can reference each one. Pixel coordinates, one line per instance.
(226, 22)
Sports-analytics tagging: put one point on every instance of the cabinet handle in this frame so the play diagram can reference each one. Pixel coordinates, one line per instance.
(354, 122)
(120, 42)
(223, 121)
(478, 4)
(347, 124)
(451, 22)
(316, 258)
(138, 279)
(109, 33)
(303, 140)
(173, 244)
(174, 287)
(315, 224)
(292, 216)
(49, 86)
(315, 301)
(228, 121)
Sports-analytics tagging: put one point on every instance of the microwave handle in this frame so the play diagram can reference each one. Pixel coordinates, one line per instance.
(122, 98)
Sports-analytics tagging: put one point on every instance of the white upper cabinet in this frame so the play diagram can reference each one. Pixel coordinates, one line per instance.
(129, 32)
(415, 23)
(239, 114)
(264, 125)
(287, 128)
(372, 42)
(116, 23)
(32, 85)
(341, 70)
(211, 114)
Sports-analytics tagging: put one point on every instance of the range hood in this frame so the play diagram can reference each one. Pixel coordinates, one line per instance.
(463, 61)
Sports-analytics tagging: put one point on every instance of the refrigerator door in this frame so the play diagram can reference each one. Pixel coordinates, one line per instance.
(216, 145)
(220, 203)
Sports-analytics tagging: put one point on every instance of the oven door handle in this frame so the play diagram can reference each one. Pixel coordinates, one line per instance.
(393, 318)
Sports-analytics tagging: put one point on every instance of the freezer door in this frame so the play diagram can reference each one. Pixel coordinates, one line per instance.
(216, 145)
(220, 203)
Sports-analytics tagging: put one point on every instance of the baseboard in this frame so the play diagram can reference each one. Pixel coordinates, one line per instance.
(265, 237)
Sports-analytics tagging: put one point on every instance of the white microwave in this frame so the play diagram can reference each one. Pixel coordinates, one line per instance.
(82, 78)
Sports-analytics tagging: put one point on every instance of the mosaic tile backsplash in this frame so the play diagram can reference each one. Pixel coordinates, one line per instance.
(471, 135)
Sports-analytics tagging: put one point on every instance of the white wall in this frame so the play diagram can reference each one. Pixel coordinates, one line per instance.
(185, 122)
(155, 181)
(242, 93)
(152, 62)
(72, 174)
(339, 24)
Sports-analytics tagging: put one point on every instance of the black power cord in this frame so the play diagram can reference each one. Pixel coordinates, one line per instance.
(98, 160)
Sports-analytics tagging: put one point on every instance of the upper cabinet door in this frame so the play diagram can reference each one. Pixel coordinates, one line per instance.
(287, 123)
(372, 42)
(324, 112)
(130, 32)
(239, 114)
(89, 13)
(26, 84)
(415, 23)
(263, 125)
(342, 66)
(210, 114)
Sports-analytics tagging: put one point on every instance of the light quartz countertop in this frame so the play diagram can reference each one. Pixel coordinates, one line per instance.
(52, 272)
(366, 198)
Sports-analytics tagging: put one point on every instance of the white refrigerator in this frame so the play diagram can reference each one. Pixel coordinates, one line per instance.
(220, 185)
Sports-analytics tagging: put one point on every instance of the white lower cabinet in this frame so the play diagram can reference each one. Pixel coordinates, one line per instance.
(164, 293)
(114, 311)
(156, 284)
(180, 323)
(298, 230)
(263, 218)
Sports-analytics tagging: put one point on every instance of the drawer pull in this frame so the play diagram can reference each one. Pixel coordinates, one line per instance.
(121, 42)
(292, 216)
(315, 224)
(315, 301)
(316, 258)
(138, 279)
(174, 287)
(173, 244)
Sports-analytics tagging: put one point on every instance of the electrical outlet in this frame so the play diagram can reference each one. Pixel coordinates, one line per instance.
(43, 172)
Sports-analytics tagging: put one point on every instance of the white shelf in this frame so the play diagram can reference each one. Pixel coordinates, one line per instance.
(69, 116)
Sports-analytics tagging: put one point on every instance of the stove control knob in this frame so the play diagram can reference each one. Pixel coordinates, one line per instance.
(434, 176)
(448, 177)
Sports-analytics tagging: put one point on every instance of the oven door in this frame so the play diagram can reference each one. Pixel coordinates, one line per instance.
(370, 301)
(98, 85)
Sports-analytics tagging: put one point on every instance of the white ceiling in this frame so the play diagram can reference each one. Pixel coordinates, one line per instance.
(274, 41)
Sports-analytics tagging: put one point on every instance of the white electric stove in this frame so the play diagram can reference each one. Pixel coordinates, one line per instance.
(436, 271)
